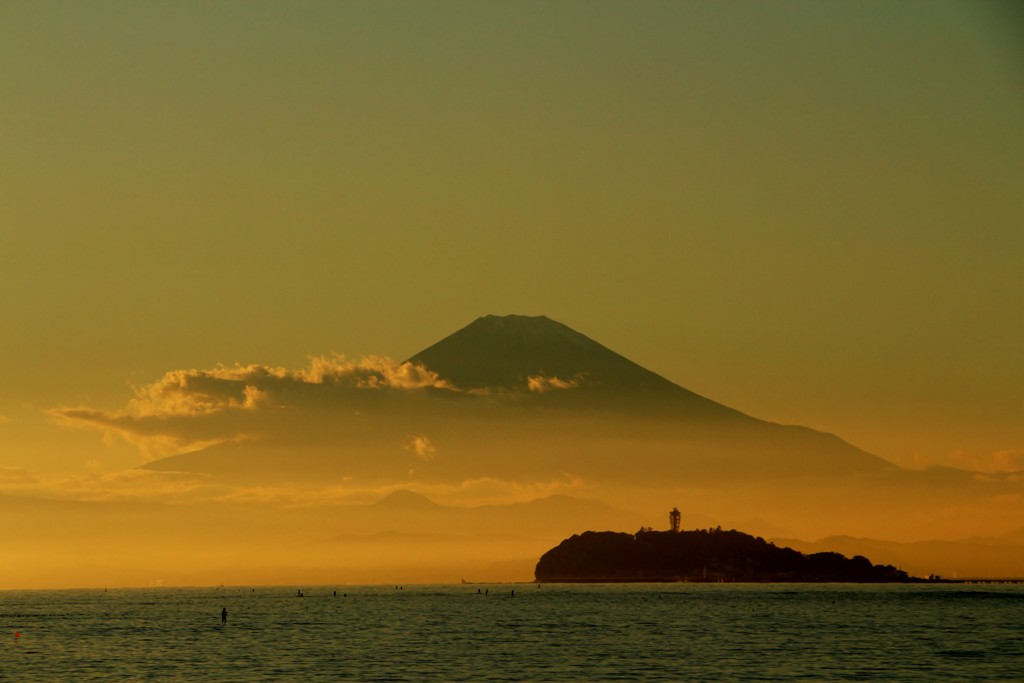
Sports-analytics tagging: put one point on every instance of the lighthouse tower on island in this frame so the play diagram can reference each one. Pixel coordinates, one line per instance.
(673, 519)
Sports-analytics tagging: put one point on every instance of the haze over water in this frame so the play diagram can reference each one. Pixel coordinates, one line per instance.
(642, 632)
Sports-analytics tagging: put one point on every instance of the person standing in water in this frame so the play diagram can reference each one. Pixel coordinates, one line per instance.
(224, 615)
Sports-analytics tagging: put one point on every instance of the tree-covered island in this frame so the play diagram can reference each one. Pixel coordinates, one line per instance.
(698, 555)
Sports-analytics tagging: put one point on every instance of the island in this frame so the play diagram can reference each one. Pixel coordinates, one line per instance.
(708, 555)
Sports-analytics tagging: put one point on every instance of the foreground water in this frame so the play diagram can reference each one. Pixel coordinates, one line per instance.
(665, 632)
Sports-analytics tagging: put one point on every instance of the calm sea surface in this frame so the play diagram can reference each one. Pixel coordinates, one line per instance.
(644, 632)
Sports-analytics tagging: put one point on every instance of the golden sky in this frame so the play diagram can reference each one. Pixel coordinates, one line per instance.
(807, 211)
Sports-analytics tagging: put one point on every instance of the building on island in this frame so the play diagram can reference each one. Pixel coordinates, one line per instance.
(673, 519)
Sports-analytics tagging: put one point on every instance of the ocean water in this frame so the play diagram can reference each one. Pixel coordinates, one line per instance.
(637, 632)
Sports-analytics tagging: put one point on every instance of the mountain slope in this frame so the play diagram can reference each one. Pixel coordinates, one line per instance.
(535, 353)
(505, 351)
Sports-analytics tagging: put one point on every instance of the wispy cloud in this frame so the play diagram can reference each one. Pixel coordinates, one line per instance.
(126, 485)
(189, 409)
(1000, 461)
(541, 384)
(176, 488)
(16, 476)
(420, 445)
(197, 392)
(494, 490)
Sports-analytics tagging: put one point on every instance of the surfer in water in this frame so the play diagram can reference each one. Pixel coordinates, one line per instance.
(224, 615)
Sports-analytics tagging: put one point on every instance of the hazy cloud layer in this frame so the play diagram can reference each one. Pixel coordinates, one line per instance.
(16, 476)
(1000, 461)
(120, 486)
(492, 490)
(190, 409)
(143, 485)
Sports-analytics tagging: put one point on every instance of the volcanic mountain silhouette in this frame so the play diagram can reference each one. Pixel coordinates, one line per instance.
(505, 351)
(528, 396)
(518, 352)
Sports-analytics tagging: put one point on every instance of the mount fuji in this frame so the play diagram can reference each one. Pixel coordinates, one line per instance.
(521, 396)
